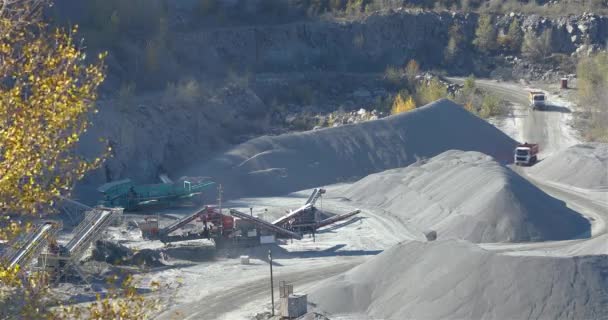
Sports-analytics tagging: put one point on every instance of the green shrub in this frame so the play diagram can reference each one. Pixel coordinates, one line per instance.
(430, 91)
(490, 106)
(392, 75)
(469, 86)
(592, 82)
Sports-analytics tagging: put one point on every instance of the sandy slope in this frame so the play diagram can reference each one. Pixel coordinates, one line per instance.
(287, 163)
(582, 166)
(467, 195)
(458, 280)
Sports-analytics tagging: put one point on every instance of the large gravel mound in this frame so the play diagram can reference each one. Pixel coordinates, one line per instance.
(458, 280)
(468, 195)
(281, 164)
(582, 166)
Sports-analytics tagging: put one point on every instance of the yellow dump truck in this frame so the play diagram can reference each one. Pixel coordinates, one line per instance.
(537, 99)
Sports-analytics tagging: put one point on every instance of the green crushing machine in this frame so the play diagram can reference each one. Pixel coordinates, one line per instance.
(130, 196)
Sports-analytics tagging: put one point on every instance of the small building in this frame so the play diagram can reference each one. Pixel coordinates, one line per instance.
(292, 305)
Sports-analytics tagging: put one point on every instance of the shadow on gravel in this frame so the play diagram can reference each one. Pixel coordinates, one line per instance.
(340, 225)
(554, 108)
(91, 295)
(261, 253)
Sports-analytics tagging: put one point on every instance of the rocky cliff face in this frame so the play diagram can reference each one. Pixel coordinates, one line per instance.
(153, 136)
(366, 44)
(371, 43)
(579, 34)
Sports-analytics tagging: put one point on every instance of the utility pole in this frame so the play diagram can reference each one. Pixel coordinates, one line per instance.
(220, 190)
(271, 282)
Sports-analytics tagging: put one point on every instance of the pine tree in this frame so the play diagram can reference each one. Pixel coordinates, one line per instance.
(454, 43)
(485, 34)
(515, 36)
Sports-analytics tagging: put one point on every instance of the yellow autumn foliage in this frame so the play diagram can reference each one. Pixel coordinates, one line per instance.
(23, 296)
(123, 303)
(411, 70)
(47, 91)
(469, 106)
(402, 105)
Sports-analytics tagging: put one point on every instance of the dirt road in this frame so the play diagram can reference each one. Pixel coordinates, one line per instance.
(547, 127)
(550, 128)
(219, 305)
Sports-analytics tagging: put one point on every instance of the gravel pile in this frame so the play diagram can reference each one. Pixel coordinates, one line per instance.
(458, 280)
(274, 165)
(468, 195)
(582, 166)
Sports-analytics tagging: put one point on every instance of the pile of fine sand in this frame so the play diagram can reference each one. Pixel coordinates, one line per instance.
(275, 165)
(582, 166)
(458, 280)
(468, 195)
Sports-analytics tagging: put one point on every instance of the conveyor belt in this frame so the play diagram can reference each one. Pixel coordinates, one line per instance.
(335, 219)
(182, 222)
(90, 230)
(292, 214)
(23, 250)
(165, 178)
(316, 194)
(265, 224)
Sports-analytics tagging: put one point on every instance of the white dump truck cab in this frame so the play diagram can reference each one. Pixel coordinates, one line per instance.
(525, 154)
(537, 100)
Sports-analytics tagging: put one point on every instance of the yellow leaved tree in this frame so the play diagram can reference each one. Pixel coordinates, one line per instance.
(47, 92)
(402, 105)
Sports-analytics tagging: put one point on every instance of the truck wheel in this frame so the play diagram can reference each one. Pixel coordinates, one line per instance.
(533, 160)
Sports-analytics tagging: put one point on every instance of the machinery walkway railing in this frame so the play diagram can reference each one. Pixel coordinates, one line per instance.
(316, 194)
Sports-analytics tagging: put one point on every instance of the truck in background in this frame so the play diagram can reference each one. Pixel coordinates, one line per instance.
(537, 99)
(526, 154)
